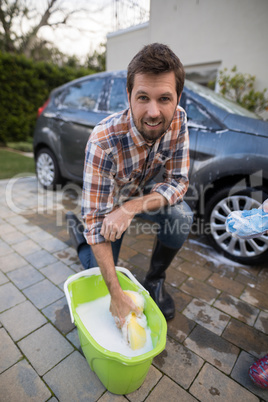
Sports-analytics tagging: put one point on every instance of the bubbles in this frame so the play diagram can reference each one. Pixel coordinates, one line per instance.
(101, 325)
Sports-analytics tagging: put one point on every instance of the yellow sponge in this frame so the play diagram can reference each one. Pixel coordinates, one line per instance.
(135, 327)
(136, 297)
(136, 333)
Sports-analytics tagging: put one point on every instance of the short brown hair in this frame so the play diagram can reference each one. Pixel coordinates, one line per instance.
(156, 58)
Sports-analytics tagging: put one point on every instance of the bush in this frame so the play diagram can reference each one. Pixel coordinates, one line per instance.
(240, 88)
(24, 87)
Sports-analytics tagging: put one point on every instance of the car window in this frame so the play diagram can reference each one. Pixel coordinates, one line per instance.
(199, 116)
(85, 95)
(118, 96)
(219, 100)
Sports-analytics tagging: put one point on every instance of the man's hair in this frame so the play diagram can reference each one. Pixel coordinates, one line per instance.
(156, 58)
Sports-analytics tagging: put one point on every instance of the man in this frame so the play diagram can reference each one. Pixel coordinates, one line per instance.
(124, 153)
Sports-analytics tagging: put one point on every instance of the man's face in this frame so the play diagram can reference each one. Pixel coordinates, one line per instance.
(153, 102)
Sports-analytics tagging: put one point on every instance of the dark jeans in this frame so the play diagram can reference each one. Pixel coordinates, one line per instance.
(173, 227)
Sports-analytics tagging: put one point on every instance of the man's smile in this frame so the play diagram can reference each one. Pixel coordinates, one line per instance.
(151, 124)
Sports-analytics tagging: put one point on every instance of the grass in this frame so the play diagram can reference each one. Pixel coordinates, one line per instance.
(21, 146)
(13, 163)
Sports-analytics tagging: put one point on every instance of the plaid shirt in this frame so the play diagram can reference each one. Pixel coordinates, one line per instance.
(119, 162)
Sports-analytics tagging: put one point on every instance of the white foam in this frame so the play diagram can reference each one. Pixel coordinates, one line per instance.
(209, 254)
(100, 323)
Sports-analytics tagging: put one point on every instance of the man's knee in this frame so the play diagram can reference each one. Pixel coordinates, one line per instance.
(176, 225)
(181, 212)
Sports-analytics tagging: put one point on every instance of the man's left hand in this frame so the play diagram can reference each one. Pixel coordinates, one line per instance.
(116, 223)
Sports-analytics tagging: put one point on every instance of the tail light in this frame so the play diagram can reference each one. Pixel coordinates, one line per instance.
(42, 108)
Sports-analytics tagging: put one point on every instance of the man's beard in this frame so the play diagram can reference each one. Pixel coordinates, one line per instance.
(152, 135)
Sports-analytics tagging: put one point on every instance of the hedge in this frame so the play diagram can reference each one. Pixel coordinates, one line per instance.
(24, 87)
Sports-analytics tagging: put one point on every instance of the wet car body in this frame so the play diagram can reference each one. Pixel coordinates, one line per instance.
(225, 150)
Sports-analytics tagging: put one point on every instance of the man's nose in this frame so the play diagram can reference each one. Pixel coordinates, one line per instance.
(153, 109)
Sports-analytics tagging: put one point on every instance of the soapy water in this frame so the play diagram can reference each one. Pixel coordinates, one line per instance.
(101, 325)
(248, 223)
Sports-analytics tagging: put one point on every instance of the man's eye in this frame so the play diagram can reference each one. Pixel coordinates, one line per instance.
(142, 97)
(165, 99)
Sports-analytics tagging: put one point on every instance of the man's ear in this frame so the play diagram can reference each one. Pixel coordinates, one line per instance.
(128, 96)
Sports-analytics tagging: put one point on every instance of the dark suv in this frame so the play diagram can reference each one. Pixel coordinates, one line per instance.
(228, 152)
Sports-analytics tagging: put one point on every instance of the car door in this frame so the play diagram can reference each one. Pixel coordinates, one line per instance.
(80, 107)
(204, 133)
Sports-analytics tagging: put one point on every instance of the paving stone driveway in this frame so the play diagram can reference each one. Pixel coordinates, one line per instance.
(220, 327)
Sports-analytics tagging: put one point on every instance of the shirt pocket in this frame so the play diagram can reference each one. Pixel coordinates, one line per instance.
(160, 160)
(124, 179)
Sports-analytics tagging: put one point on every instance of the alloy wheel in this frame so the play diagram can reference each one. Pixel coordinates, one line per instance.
(45, 169)
(241, 248)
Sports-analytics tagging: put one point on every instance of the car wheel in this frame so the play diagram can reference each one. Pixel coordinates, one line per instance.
(245, 251)
(47, 169)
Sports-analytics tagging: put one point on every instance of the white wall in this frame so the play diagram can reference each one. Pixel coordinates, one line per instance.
(123, 45)
(205, 34)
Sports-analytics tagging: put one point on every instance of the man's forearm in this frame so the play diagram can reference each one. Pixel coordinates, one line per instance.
(103, 251)
(121, 304)
(147, 203)
(104, 256)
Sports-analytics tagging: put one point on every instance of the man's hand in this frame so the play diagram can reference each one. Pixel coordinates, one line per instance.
(265, 205)
(121, 306)
(116, 223)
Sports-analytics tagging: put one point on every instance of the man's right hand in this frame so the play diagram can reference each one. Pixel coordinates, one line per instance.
(121, 306)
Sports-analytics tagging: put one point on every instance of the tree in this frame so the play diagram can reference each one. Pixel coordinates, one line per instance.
(45, 19)
(8, 12)
(240, 88)
(22, 20)
(97, 60)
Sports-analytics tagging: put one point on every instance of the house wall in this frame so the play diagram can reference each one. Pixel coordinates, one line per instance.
(207, 35)
(123, 45)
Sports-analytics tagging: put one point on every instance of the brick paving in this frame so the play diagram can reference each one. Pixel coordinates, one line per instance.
(220, 327)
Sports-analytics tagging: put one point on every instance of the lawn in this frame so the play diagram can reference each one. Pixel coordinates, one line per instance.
(13, 163)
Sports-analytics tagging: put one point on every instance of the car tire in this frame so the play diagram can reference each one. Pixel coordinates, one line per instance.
(47, 169)
(245, 251)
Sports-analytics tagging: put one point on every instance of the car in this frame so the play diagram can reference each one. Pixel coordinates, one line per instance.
(228, 152)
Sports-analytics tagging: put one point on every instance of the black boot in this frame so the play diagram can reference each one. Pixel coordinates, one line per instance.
(155, 278)
(75, 229)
